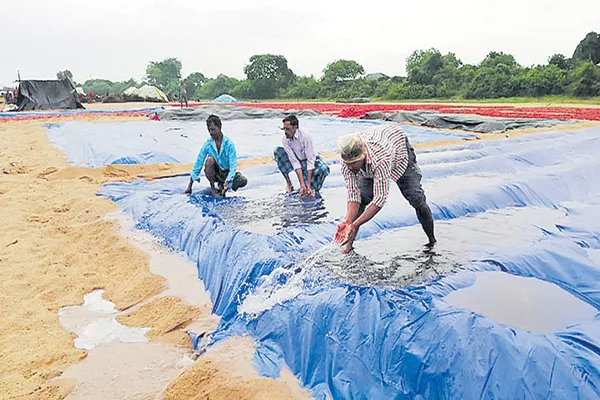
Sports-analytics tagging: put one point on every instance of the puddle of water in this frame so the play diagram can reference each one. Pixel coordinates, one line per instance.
(121, 363)
(180, 273)
(126, 371)
(273, 214)
(95, 323)
(525, 303)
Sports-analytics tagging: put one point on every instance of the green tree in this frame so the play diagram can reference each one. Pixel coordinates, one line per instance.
(544, 80)
(586, 80)
(340, 71)
(243, 89)
(423, 65)
(560, 61)
(98, 86)
(494, 58)
(193, 82)
(588, 49)
(269, 73)
(222, 84)
(64, 74)
(304, 87)
(119, 87)
(164, 74)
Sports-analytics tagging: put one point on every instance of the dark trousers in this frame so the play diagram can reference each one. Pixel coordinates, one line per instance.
(410, 187)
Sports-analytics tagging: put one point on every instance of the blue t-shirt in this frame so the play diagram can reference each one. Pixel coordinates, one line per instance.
(226, 159)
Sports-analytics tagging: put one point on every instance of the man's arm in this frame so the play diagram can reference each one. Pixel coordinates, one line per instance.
(311, 156)
(381, 188)
(353, 194)
(295, 162)
(195, 173)
(232, 157)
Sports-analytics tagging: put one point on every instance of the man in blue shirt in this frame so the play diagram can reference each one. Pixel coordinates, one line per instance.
(221, 162)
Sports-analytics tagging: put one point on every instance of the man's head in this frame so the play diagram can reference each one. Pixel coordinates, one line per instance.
(213, 123)
(290, 126)
(352, 151)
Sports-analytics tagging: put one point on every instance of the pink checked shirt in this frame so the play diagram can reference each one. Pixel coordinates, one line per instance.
(387, 159)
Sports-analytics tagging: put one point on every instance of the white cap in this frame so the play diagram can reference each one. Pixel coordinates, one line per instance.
(351, 147)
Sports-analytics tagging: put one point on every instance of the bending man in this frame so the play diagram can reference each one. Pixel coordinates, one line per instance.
(298, 154)
(221, 162)
(369, 161)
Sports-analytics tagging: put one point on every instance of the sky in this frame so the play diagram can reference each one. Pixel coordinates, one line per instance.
(115, 39)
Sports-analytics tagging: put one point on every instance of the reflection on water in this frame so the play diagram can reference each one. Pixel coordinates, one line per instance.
(273, 214)
(526, 303)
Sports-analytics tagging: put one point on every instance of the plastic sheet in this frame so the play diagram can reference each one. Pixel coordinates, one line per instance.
(143, 142)
(526, 206)
(471, 123)
(66, 113)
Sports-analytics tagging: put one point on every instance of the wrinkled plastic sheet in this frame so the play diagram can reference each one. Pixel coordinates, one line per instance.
(525, 206)
(24, 114)
(470, 123)
(144, 142)
(229, 112)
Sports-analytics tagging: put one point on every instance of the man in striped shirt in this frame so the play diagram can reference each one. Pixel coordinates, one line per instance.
(369, 161)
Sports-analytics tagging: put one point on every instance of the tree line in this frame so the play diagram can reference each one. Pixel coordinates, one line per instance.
(430, 75)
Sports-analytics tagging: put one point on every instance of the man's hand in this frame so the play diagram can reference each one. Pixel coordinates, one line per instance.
(225, 189)
(351, 232)
(345, 235)
(303, 190)
(310, 191)
(188, 190)
(340, 232)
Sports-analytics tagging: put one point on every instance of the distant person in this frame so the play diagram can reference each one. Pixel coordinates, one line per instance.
(183, 96)
(219, 158)
(369, 161)
(90, 97)
(298, 154)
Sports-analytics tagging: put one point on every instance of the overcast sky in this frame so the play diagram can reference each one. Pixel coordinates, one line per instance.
(115, 39)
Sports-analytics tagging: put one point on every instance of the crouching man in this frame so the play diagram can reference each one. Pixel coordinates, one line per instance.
(219, 158)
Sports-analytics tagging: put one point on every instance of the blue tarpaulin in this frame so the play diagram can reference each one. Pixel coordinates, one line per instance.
(145, 142)
(525, 206)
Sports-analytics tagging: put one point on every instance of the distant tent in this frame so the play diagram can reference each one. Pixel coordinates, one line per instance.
(47, 95)
(146, 92)
(376, 76)
(225, 98)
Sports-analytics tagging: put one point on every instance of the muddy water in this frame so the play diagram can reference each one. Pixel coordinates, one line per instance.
(121, 362)
(525, 303)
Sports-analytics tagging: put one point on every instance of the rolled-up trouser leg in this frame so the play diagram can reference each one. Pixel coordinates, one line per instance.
(410, 186)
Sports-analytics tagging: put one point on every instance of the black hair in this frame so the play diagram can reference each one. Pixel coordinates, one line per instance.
(213, 119)
(292, 120)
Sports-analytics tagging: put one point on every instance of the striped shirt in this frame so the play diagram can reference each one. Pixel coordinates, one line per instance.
(387, 158)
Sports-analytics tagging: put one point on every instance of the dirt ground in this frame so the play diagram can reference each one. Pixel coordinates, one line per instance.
(56, 245)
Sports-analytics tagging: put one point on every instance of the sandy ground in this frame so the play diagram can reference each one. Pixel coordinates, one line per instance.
(57, 245)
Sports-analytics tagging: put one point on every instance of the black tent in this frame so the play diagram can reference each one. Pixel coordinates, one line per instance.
(47, 95)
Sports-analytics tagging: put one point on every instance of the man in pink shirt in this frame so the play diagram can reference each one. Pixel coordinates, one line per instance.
(298, 154)
(370, 160)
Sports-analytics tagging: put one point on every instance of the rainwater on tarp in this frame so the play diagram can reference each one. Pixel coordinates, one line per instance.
(380, 325)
